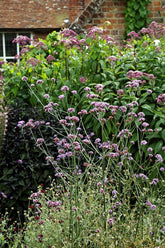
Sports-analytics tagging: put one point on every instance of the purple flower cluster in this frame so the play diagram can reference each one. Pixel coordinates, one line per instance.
(22, 40)
(161, 98)
(148, 203)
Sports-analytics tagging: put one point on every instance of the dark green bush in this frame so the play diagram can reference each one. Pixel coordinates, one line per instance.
(23, 166)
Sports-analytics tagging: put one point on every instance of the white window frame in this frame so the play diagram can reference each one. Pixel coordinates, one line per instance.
(4, 57)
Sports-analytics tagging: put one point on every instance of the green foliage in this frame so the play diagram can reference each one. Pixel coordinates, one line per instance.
(18, 178)
(136, 15)
(79, 62)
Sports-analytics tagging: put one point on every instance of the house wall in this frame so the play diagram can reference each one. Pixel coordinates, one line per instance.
(44, 16)
(111, 16)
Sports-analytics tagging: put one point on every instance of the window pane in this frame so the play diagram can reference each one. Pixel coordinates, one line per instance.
(1, 47)
(25, 34)
(11, 60)
(11, 48)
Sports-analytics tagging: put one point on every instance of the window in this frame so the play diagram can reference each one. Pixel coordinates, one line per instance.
(8, 50)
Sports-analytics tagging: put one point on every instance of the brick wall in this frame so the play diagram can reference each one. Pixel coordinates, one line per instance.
(111, 16)
(50, 14)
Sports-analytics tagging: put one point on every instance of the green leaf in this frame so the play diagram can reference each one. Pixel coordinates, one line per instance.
(163, 134)
(148, 107)
(158, 146)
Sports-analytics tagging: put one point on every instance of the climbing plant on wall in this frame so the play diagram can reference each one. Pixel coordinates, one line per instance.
(136, 15)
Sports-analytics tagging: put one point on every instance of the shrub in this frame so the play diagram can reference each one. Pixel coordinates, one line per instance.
(117, 93)
(100, 195)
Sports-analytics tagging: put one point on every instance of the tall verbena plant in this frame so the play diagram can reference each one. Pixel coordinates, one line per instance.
(100, 194)
(106, 109)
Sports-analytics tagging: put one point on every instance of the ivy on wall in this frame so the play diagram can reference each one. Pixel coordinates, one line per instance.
(136, 15)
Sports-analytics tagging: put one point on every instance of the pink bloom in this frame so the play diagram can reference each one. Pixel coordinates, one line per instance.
(83, 79)
(71, 110)
(159, 158)
(40, 141)
(74, 92)
(161, 98)
(143, 142)
(120, 92)
(112, 58)
(40, 81)
(61, 97)
(24, 78)
(102, 191)
(74, 208)
(46, 96)
(99, 87)
(50, 58)
(65, 88)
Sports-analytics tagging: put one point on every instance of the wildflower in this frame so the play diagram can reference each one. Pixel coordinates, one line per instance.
(24, 78)
(71, 110)
(20, 123)
(155, 181)
(112, 58)
(33, 61)
(74, 92)
(162, 169)
(120, 92)
(141, 114)
(86, 141)
(68, 33)
(74, 118)
(161, 98)
(83, 79)
(143, 142)
(83, 111)
(97, 230)
(148, 203)
(87, 89)
(40, 236)
(65, 88)
(22, 40)
(102, 191)
(48, 107)
(110, 222)
(163, 148)
(143, 176)
(153, 207)
(3, 194)
(149, 91)
(114, 192)
(50, 58)
(19, 161)
(46, 96)
(151, 77)
(145, 124)
(163, 229)
(74, 208)
(61, 97)
(123, 109)
(99, 87)
(99, 184)
(159, 158)
(134, 74)
(40, 81)
(40, 141)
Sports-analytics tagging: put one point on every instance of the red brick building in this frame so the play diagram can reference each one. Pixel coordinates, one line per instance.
(36, 18)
